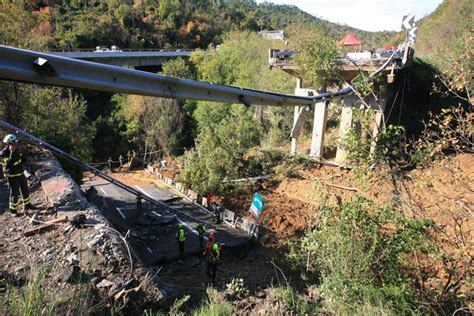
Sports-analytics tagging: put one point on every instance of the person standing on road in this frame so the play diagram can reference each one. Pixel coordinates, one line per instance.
(12, 161)
(217, 213)
(121, 161)
(212, 254)
(129, 156)
(181, 236)
(109, 163)
(213, 260)
(201, 230)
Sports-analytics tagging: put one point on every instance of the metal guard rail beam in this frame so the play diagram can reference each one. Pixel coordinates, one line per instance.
(125, 50)
(34, 67)
(35, 140)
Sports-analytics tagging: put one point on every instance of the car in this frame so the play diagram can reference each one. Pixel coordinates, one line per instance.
(101, 49)
(115, 48)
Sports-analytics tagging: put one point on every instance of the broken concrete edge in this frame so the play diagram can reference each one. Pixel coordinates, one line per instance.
(68, 200)
(253, 229)
(60, 189)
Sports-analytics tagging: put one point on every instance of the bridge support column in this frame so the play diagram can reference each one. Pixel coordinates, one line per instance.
(379, 121)
(319, 127)
(298, 111)
(345, 127)
(294, 136)
(378, 125)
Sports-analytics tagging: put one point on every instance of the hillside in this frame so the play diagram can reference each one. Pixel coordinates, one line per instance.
(387, 231)
(443, 30)
(170, 23)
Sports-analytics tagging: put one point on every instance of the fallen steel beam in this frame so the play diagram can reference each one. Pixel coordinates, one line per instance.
(35, 67)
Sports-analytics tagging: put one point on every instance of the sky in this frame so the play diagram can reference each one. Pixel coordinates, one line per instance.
(368, 15)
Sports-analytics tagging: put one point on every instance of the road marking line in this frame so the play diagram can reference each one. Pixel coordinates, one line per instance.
(153, 212)
(121, 214)
(179, 220)
(144, 192)
(103, 191)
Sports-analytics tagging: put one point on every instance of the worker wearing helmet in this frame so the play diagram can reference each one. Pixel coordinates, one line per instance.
(201, 231)
(213, 254)
(181, 236)
(210, 241)
(12, 161)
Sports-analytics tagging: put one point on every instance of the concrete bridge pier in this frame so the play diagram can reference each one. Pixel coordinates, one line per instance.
(298, 117)
(345, 126)
(319, 122)
(296, 130)
(349, 103)
(378, 125)
(319, 129)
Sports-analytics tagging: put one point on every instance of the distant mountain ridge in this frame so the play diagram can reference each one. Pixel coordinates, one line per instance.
(451, 21)
(174, 23)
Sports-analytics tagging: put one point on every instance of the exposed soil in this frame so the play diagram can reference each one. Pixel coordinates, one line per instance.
(442, 192)
(430, 192)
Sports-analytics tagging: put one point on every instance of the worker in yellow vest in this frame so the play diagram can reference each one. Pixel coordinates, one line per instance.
(181, 236)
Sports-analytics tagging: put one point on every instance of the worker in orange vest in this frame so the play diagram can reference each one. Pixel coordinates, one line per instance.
(212, 253)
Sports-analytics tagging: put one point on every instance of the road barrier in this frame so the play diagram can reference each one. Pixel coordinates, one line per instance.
(232, 219)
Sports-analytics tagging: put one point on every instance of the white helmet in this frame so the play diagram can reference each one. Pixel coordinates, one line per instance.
(10, 139)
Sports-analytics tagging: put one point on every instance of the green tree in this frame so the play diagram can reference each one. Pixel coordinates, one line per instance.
(220, 146)
(242, 60)
(22, 29)
(154, 123)
(58, 116)
(317, 63)
(177, 68)
(445, 37)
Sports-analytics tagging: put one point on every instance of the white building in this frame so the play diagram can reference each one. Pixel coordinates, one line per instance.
(275, 34)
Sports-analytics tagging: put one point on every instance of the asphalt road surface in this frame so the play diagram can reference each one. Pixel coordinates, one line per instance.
(152, 229)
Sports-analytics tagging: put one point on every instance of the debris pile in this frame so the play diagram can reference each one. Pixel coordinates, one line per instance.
(75, 248)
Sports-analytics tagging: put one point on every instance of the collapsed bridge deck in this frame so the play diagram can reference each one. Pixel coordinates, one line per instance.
(152, 229)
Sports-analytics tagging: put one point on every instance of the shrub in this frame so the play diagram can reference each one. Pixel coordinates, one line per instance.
(357, 254)
(450, 131)
(37, 298)
(214, 306)
(31, 299)
(296, 302)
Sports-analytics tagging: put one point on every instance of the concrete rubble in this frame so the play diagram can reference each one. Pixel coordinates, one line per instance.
(86, 250)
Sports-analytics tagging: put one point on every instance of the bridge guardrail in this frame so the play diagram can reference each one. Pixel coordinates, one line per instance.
(122, 50)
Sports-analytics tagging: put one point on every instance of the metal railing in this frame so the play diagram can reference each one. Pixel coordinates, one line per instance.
(34, 67)
(120, 50)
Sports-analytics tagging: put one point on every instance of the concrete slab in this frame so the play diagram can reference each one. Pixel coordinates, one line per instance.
(59, 187)
(151, 239)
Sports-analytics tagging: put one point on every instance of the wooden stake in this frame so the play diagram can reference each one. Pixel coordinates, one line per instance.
(44, 226)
